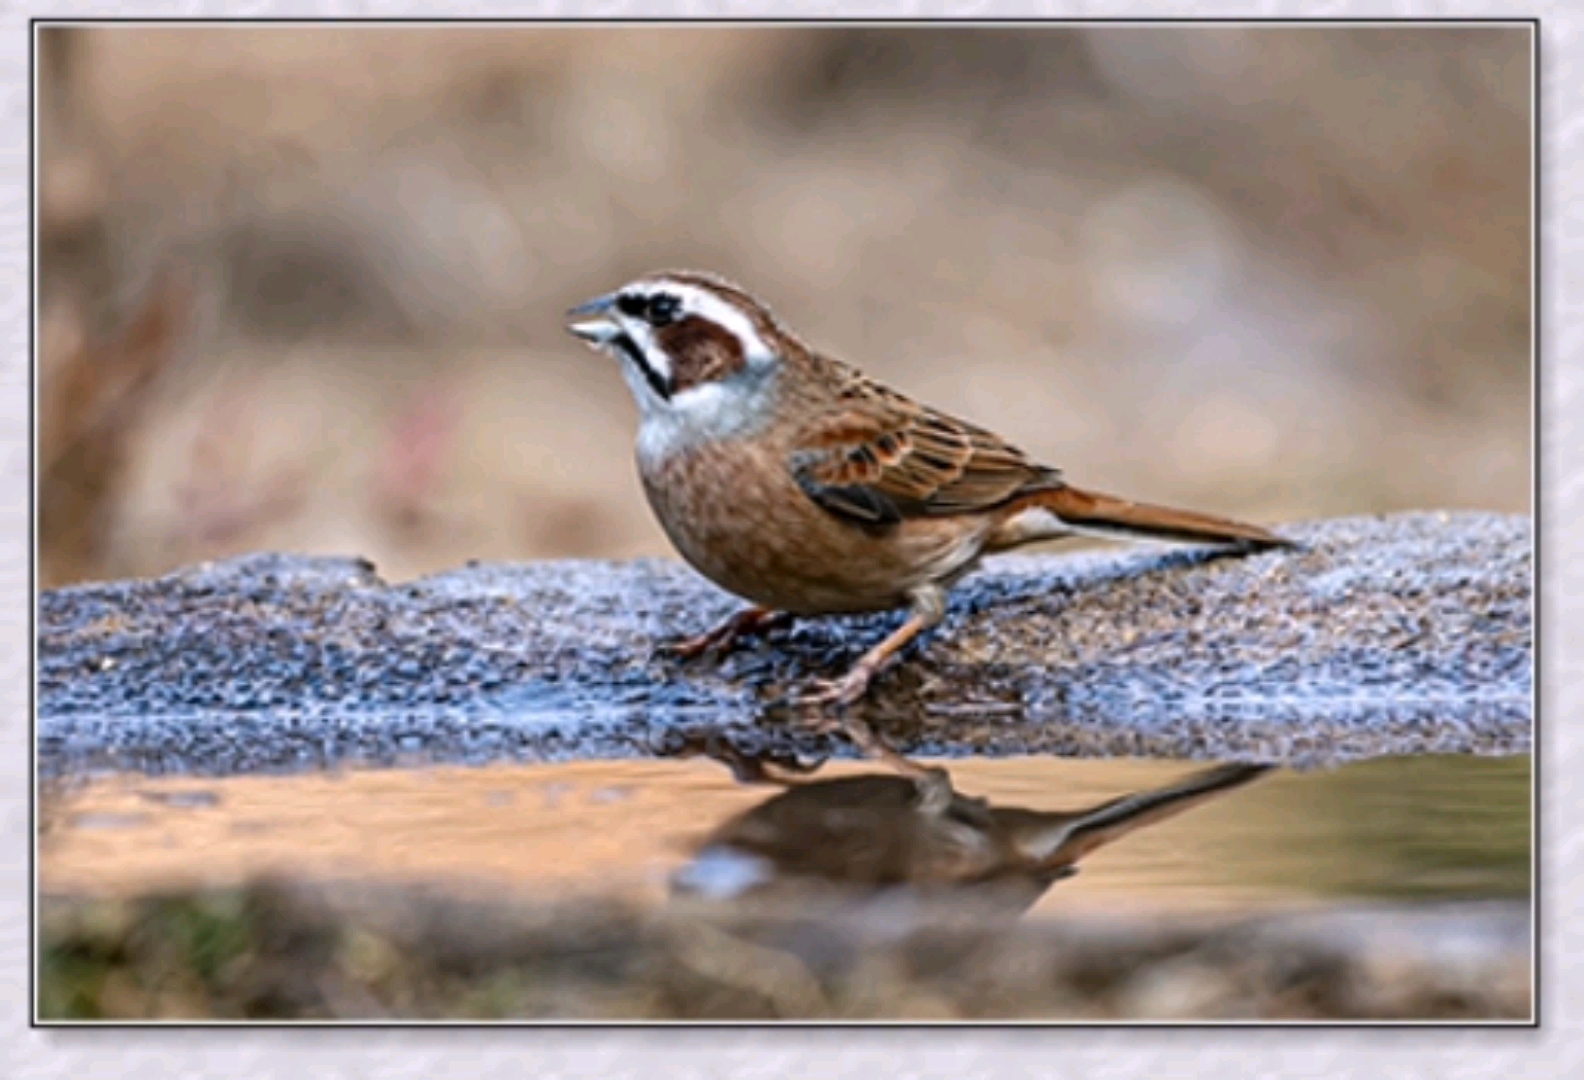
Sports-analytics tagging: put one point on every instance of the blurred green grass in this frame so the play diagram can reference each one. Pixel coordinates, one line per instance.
(274, 951)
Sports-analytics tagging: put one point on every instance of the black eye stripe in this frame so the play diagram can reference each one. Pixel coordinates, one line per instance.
(663, 309)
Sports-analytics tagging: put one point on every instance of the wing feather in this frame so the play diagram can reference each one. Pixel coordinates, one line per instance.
(880, 457)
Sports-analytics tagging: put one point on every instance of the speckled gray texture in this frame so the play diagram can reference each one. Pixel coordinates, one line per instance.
(1391, 635)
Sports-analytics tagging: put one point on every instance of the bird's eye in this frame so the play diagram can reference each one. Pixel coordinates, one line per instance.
(663, 309)
(632, 305)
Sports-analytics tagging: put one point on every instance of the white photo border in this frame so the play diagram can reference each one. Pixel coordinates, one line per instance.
(957, 1052)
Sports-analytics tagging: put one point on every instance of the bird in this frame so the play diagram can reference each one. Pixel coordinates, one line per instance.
(873, 833)
(796, 482)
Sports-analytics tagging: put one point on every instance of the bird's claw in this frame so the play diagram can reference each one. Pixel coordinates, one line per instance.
(688, 648)
(835, 693)
(722, 639)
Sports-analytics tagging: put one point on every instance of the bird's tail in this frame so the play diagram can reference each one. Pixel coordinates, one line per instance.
(1063, 839)
(1063, 510)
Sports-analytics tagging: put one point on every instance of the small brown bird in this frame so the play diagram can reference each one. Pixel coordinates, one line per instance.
(862, 835)
(796, 482)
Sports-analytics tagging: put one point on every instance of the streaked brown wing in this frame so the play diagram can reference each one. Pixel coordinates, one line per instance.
(880, 457)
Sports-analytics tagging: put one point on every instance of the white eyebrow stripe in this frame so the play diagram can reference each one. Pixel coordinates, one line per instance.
(708, 305)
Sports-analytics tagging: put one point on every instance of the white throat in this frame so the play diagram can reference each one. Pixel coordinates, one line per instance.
(671, 422)
(731, 408)
(712, 412)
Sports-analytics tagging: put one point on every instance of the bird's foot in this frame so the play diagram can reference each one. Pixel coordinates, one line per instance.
(720, 640)
(838, 693)
(934, 784)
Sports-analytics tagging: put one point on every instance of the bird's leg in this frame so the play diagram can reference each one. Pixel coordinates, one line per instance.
(930, 779)
(935, 792)
(928, 609)
(722, 638)
(933, 783)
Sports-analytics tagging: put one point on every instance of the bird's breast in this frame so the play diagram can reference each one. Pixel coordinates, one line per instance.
(736, 514)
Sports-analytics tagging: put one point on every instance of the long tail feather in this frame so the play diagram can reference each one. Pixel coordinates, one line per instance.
(1106, 515)
(1069, 840)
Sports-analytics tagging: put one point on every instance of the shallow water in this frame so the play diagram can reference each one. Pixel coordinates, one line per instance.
(1421, 828)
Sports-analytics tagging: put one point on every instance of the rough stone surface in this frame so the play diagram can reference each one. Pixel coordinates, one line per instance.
(1385, 635)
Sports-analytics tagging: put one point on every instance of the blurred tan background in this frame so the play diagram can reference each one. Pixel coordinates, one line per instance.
(302, 288)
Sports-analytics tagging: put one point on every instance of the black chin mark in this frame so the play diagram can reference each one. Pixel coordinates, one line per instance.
(657, 381)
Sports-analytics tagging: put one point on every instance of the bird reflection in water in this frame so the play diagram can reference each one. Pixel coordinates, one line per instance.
(890, 838)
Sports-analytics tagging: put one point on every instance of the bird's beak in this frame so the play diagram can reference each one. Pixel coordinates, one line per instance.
(599, 329)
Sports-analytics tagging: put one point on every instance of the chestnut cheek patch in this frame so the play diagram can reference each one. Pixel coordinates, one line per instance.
(700, 351)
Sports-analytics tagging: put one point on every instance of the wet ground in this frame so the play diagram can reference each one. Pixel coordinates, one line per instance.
(1393, 635)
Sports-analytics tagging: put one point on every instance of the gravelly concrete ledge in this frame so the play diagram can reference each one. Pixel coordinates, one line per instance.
(1387, 635)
